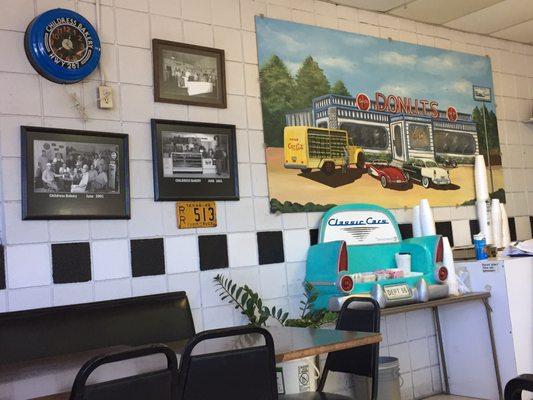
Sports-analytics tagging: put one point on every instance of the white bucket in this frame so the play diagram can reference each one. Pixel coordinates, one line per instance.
(297, 376)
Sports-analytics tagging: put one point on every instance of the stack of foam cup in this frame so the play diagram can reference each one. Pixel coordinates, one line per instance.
(506, 233)
(496, 222)
(427, 222)
(482, 198)
(447, 261)
(417, 227)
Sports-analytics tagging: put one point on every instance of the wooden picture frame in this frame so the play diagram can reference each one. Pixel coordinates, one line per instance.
(194, 161)
(74, 174)
(188, 74)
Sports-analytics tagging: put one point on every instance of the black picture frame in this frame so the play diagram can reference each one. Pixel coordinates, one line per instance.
(100, 189)
(194, 161)
(180, 68)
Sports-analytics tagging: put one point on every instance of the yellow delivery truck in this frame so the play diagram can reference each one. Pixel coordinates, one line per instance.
(307, 148)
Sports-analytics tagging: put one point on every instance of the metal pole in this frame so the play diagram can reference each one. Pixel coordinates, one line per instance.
(487, 146)
(488, 310)
(441, 350)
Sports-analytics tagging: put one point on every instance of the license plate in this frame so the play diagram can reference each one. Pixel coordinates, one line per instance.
(196, 214)
(395, 292)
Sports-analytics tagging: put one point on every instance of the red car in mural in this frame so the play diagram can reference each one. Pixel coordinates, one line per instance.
(386, 173)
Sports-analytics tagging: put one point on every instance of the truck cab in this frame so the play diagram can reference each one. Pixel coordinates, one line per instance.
(357, 243)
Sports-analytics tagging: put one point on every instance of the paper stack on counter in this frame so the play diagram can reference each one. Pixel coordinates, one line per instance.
(519, 249)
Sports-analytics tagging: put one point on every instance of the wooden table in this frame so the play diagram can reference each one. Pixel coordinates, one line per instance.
(289, 344)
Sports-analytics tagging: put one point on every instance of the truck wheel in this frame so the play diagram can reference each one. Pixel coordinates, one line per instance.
(360, 161)
(328, 168)
(305, 170)
(384, 182)
(426, 182)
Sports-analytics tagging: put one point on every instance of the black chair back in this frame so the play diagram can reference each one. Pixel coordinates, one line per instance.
(515, 387)
(240, 374)
(156, 385)
(357, 314)
(160, 318)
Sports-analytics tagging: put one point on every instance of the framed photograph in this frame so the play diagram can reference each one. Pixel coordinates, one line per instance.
(194, 161)
(188, 74)
(70, 174)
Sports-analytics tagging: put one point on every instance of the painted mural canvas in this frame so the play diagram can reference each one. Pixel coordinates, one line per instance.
(353, 118)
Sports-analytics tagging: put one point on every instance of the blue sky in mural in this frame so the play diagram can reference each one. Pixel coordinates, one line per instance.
(370, 64)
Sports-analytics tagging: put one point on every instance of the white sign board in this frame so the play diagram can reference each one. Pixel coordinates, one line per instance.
(360, 228)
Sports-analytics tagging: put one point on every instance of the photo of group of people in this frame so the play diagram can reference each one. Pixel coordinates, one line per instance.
(75, 167)
(189, 74)
(202, 155)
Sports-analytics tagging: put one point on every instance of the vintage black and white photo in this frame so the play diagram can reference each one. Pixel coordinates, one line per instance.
(187, 154)
(194, 160)
(71, 174)
(66, 167)
(188, 74)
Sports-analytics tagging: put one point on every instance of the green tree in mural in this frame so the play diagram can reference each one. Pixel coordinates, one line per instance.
(277, 98)
(340, 88)
(492, 133)
(311, 82)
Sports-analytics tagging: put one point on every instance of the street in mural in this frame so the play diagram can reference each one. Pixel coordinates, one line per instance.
(352, 118)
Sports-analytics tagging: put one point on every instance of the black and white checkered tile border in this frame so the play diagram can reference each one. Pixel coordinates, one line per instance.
(71, 262)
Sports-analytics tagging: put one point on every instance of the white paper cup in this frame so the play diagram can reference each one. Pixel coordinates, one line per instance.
(506, 233)
(417, 227)
(484, 217)
(426, 219)
(480, 177)
(496, 222)
(403, 262)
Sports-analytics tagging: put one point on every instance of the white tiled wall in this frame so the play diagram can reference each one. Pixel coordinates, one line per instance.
(126, 31)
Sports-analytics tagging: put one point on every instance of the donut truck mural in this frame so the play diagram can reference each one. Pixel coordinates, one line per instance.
(349, 117)
(354, 125)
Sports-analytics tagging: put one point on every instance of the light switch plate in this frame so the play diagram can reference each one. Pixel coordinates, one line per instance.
(105, 97)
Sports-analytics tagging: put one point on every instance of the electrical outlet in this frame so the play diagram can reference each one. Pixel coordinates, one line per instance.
(105, 97)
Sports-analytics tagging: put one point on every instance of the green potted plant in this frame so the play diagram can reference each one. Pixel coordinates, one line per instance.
(251, 305)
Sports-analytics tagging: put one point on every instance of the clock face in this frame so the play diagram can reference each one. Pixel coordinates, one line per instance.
(67, 44)
(62, 46)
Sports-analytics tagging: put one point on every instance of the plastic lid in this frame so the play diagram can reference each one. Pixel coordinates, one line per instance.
(479, 236)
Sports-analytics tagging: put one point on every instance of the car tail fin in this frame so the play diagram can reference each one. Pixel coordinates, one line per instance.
(343, 258)
(439, 253)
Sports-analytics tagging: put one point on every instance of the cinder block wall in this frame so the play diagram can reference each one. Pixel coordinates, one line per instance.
(35, 273)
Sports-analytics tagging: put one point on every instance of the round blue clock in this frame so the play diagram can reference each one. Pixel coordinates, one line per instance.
(62, 46)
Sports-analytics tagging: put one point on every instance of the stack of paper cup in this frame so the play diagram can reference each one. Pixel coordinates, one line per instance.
(480, 176)
(427, 222)
(482, 198)
(506, 233)
(484, 217)
(496, 223)
(447, 261)
(417, 227)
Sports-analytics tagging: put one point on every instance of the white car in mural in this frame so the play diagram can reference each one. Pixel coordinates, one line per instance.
(427, 172)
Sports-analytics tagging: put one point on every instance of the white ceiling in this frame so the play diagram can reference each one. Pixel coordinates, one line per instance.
(506, 19)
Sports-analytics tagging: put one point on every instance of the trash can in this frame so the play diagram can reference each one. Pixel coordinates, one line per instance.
(389, 379)
(297, 376)
(389, 382)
